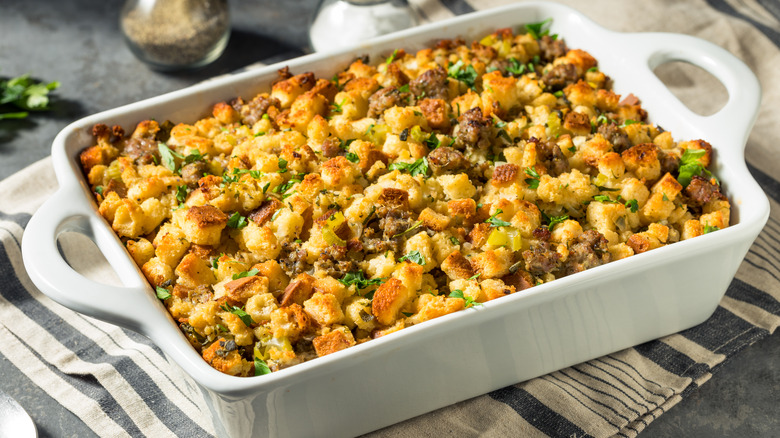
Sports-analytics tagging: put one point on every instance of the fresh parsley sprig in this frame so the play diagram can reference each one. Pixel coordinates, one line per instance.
(414, 257)
(249, 273)
(463, 73)
(23, 92)
(358, 278)
(533, 181)
(691, 166)
(540, 29)
(496, 222)
(261, 367)
(469, 302)
(418, 167)
(239, 312)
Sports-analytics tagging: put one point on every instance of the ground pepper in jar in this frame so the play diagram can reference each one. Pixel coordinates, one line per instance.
(173, 34)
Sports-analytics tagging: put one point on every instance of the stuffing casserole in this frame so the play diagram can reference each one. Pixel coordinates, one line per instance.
(328, 212)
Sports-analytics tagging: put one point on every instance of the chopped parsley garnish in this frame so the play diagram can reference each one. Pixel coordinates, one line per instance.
(391, 58)
(337, 107)
(418, 167)
(404, 88)
(237, 221)
(353, 157)
(628, 122)
(250, 273)
(710, 229)
(169, 157)
(533, 181)
(413, 227)
(358, 278)
(282, 165)
(414, 257)
(281, 188)
(632, 205)
(605, 198)
(690, 166)
(162, 293)
(265, 187)
(515, 67)
(540, 29)
(181, 193)
(261, 367)
(239, 312)
(554, 220)
(454, 240)
(457, 293)
(432, 142)
(465, 74)
(496, 222)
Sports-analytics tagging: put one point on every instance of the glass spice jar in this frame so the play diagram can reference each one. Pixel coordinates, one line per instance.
(176, 34)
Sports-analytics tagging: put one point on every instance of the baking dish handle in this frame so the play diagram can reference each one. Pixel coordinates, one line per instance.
(739, 112)
(131, 306)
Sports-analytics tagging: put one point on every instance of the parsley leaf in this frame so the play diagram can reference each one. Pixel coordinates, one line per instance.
(162, 293)
(710, 229)
(554, 220)
(496, 222)
(515, 67)
(261, 367)
(25, 93)
(469, 302)
(391, 58)
(250, 273)
(282, 165)
(418, 167)
(465, 74)
(239, 312)
(237, 221)
(605, 199)
(181, 193)
(533, 181)
(414, 257)
(632, 205)
(628, 122)
(432, 142)
(358, 278)
(168, 156)
(690, 166)
(353, 157)
(540, 29)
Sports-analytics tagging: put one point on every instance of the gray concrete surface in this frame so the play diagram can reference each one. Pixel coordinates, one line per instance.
(78, 43)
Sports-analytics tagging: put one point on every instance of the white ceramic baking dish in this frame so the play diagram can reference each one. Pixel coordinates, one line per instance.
(461, 355)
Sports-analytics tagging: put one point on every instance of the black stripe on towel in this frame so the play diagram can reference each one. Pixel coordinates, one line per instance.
(724, 333)
(771, 6)
(770, 185)
(458, 7)
(537, 413)
(87, 350)
(90, 387)
(723, 6)
(739, 290)
(671, 360)
(625, 394)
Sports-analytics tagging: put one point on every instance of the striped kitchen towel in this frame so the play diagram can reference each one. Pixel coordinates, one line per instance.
(119, 384)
